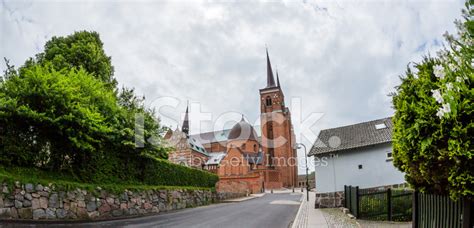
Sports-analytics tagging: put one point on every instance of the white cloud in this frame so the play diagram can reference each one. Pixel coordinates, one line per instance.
(341, 57)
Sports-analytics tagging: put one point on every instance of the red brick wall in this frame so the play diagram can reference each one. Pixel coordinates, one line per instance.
(282, 135)
(215, 147)
(189, 157)
(243, 184)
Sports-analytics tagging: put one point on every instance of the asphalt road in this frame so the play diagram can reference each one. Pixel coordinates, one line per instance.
(271, 210)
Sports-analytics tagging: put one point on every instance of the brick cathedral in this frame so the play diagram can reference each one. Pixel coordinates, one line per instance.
(244, 160)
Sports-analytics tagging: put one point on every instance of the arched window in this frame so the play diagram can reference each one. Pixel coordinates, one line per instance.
(268, 101)
(243, 146)
(254, 147)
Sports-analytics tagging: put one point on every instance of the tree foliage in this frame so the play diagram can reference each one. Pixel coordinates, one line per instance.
(62, 112)
(54, 117)
(80, 50)
(434, 112)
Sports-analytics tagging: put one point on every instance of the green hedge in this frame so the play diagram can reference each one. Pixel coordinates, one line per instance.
(60, 181)
(148, 171)
(162, 172)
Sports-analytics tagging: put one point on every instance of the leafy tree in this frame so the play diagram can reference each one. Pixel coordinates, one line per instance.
(81, 49)
(134, 109)
(433, 122)
(54, 119)
(62, 111)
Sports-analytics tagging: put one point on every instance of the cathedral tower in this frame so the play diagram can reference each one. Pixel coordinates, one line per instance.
(278, 139)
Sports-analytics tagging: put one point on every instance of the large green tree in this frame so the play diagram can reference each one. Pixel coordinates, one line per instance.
(82, 49)
(62, 111)
(54, 119)
(434, 113)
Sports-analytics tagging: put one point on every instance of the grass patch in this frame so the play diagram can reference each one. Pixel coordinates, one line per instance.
(64, 182)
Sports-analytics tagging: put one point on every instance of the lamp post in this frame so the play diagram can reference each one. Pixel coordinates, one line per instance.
(299, 145)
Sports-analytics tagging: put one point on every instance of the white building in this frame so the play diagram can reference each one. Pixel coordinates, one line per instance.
(357, 155)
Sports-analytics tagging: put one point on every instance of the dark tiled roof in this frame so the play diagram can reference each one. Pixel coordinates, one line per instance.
(352, 136)
(213, 136)
(243, 130)
(220, 136)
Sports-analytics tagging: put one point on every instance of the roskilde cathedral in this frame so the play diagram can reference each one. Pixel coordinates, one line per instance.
(244, 160)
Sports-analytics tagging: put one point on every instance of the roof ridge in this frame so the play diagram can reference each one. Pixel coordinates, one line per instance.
(228, 129)
(350, 125)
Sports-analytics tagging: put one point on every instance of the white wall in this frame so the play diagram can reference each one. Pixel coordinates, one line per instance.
(343, 169)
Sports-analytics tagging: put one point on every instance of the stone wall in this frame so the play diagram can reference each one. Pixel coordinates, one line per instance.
(28, 201)
(329, 200)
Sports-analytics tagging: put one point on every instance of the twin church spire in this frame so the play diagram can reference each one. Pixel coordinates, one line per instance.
(270, 77)
(270, 84)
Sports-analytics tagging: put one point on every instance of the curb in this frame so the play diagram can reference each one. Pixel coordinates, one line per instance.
(298, 217)
(237, 200)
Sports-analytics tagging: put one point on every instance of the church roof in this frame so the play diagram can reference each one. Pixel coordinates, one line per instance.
(242, 130)
(215, 158)
(212, 137)
(197, 146)
(220, 136)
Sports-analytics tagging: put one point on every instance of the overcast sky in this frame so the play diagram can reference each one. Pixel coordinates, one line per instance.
(341, 58)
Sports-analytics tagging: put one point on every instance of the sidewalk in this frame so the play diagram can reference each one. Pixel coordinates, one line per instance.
(307, 215)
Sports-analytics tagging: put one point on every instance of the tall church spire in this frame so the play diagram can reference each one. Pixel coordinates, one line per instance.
(270, 79)
(185, 127)
(278, 79)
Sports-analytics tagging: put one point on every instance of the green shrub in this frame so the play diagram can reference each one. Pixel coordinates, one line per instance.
(162, 172)
(434, 112)
(62, 181)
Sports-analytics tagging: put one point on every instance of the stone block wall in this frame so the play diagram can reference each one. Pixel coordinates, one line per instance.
(29, 201)
(329, 200)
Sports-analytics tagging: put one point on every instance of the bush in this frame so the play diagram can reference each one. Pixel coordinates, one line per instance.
(162, 172)
(434, 111)
(54, 119)
(12, 175)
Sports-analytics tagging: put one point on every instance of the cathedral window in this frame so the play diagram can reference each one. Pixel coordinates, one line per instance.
(268, 101)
